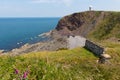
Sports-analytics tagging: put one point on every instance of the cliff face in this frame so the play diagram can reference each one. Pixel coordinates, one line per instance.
(97, 24)
(79, 23)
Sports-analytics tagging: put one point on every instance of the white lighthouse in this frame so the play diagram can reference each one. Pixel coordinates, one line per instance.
(90, 8)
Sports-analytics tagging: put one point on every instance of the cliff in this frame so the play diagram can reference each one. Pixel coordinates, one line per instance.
(91, 24)
(94, 25)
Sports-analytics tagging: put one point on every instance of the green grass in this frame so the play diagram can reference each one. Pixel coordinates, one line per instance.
(58, 65)
(76, 64)
(108, 27)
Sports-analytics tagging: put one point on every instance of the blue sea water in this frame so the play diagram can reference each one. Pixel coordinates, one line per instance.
(15, 32)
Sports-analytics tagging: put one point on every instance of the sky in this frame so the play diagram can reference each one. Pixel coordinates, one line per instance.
(53, 8)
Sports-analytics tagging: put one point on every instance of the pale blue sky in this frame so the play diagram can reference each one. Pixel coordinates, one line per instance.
(53, 8)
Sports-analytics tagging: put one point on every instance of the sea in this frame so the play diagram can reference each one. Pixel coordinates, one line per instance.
(15, 32)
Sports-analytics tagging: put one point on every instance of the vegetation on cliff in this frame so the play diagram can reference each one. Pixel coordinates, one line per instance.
(108, 27)
(97, 25)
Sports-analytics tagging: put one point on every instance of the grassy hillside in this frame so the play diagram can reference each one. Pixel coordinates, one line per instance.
(76, 64)
(109, 27)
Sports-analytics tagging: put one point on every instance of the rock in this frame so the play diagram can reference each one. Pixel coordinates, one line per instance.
(45, 34)
(79, 23)
(106, 56)
(52, 45)
(1, 51)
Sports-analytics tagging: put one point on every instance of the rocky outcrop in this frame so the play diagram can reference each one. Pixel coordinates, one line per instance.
(1, 51)
(79, 23)
(104, 59)
(51, 45)
(91, 24)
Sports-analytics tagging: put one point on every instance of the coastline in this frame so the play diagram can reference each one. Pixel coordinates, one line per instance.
(19, 31)
(55, 42)
(71, 25)
(42, 35)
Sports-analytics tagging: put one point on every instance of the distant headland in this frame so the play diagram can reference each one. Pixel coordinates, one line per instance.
(93, 25)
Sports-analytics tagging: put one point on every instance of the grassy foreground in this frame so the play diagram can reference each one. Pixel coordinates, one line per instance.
(76, 64)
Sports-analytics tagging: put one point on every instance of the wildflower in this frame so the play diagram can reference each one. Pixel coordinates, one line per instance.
(25, 74)
(16, 71)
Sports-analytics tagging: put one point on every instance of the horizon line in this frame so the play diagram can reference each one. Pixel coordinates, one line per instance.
(30, 17)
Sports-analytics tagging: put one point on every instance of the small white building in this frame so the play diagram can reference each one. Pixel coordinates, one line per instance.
(90, 8)
(76, 41)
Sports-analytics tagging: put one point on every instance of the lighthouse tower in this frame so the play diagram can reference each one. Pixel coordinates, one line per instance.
(90, 8)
